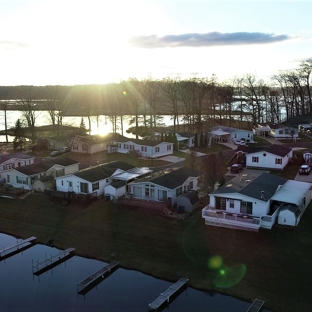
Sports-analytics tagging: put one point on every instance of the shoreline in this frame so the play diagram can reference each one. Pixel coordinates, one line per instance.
(170, 249)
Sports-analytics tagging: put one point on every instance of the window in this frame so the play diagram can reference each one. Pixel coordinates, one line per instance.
(156, 149)
(246, 207)
(75, 147)
(22, 180)
(231, 203)
(119, 145)
(280, 131)
(168, 147)
(179, 191)
(143, 149)
(190, 186)
(62, 182)
(126, 146)
(147, 193)
(8, 178)
(255, 159)
(95, 186)
(70, 183)
(278, 161)
(85, 147)
(84, 187)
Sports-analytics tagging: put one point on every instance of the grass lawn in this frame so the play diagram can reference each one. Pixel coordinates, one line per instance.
(274, 265)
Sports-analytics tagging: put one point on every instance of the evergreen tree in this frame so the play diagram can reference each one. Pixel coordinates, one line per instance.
(82, 127)
(175, 142)
(19, 134)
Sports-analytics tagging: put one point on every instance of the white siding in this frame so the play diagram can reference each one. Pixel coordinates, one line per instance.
(267, 161)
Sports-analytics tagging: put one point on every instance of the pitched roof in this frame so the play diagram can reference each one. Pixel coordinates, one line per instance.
(140, 142)
(172, 179)
(4, 158)
(45, 165)
(103, 171)
(186, 134)
(228, 129)
(261, 187)
(276, 149)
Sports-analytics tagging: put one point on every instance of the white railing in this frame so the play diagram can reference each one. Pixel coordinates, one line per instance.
(225, 219)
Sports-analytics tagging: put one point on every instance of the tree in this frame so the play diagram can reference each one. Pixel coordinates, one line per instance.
(27, 99)
(191, 159)
(212, 171)
(82, 127)
(19, 133)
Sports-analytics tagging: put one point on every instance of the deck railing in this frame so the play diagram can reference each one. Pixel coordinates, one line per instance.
(234, 220)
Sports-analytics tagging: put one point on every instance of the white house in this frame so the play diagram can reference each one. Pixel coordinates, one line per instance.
(165, 185)
(91, 144)
(145, 148)
(97, 179)
(26, 176)
(16, 160)
(254, 200)
(229, 134)
(185, 139)
(276, 130)
(273, 157)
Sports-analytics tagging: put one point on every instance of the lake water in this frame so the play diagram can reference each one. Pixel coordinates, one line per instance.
(101, 126)
(124, 290)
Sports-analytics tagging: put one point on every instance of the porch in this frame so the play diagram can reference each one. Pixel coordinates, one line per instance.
(221, 218)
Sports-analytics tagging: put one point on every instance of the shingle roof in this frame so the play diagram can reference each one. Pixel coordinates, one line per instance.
(45, 165)
(186, 134)
(140, 142)
(279, 150)
(172, 179)
(4, 158)
(261, 187)
(103, 171)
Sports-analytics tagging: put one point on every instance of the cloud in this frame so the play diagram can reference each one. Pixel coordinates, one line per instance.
(12, 45)
(206, 40)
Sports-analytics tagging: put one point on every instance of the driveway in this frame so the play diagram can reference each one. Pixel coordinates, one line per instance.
(172, 159)
(304, 177)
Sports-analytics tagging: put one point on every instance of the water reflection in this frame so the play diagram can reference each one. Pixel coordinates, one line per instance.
(123, 290)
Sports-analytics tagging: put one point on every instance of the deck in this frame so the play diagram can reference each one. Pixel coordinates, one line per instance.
(7, 251)
(96, 275)
(165, 296)
(221, 218)
(48, 263)
(256, 306)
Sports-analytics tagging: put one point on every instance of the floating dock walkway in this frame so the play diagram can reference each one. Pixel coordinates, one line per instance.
(93, 278)
(165, 296)
(256, 306)
(14, 249)
(53, 261)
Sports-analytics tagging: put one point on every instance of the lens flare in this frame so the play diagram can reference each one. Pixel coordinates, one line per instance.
(230, 276)
(215, 262)
(124, 92)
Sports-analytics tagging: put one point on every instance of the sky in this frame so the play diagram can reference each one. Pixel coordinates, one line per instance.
(68, 42)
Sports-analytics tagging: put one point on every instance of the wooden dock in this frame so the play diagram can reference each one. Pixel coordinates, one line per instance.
(8, 251)
(83, 285)
(48, 263)
(165, 296)
(256, 306)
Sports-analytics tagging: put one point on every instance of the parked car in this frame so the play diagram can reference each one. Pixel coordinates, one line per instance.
(304, 169)
(236, 168)
(240, 142)
(64, 149)
(55, 153)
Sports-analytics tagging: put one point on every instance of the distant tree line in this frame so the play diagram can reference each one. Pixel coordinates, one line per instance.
(201, 102)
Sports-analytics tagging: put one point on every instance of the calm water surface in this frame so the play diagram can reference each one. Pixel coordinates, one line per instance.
(123, 290)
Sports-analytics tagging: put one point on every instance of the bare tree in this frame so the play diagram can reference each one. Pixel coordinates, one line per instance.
(27, 100)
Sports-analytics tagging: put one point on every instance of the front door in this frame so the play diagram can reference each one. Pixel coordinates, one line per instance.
(70, 186)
